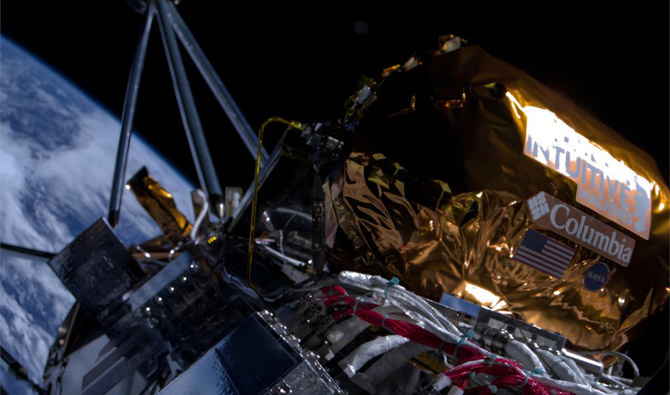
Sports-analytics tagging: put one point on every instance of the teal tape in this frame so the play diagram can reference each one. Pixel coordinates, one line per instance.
(394, 281)
(468, 335)
(356, 305)
(525, 381)
(358, 300)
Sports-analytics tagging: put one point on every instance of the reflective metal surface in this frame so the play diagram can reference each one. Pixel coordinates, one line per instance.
(397, 225)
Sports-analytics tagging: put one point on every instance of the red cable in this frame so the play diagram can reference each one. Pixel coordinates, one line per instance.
(415, 333)
(505, 376)
(506, 372)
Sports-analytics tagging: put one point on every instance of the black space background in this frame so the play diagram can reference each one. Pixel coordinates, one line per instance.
(301, 62)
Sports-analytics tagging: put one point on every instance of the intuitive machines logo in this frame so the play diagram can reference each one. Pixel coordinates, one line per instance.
(604, 184)
(575, 225)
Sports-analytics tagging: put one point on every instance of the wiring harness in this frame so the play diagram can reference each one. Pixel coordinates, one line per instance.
(408, 326)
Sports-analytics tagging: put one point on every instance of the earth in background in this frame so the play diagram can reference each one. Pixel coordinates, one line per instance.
(57, 155)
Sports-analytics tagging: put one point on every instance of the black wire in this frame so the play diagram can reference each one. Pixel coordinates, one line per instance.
(28, 251)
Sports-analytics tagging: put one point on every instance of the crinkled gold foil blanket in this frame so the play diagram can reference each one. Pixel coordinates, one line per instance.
(395, 224)
(464, 246)
(160, 205)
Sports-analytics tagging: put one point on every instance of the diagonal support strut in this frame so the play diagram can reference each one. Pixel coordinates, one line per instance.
(171, 26)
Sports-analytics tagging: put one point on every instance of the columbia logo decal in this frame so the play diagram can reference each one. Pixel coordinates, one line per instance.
(538, 206)
(573, 224)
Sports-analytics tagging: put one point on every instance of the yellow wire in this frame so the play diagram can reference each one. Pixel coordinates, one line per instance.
(254, 201)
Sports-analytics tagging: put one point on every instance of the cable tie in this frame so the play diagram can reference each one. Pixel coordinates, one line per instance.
(492, 359)
(525, 381)
(383, 320)
(492, 388)
(358, 300)
(355, 306)
(394, 281)
(537, 371)
(468, 335)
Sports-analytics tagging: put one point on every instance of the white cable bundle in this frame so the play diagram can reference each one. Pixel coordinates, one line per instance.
(524, 355)
(366, 351)
(575, 388)
(399, 296)
(440, 382)
(423, 314)
(560, 367)
(387, 364)
(343, 333)
(201, 215)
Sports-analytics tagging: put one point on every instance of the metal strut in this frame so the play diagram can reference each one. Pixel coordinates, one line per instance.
(189, 114)
(171, 23)
(127, 117)
(216, 85)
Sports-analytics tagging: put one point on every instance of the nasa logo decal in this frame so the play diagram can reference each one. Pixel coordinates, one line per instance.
(596, 277)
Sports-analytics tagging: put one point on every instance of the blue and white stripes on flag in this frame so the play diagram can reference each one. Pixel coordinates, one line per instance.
(544, 254)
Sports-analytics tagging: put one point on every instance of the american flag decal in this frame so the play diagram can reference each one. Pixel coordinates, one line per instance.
(544, 254)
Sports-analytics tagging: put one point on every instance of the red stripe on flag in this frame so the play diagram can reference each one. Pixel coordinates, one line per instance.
(540, 265)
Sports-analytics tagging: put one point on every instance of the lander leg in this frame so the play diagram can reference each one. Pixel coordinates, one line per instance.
(172, 26)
